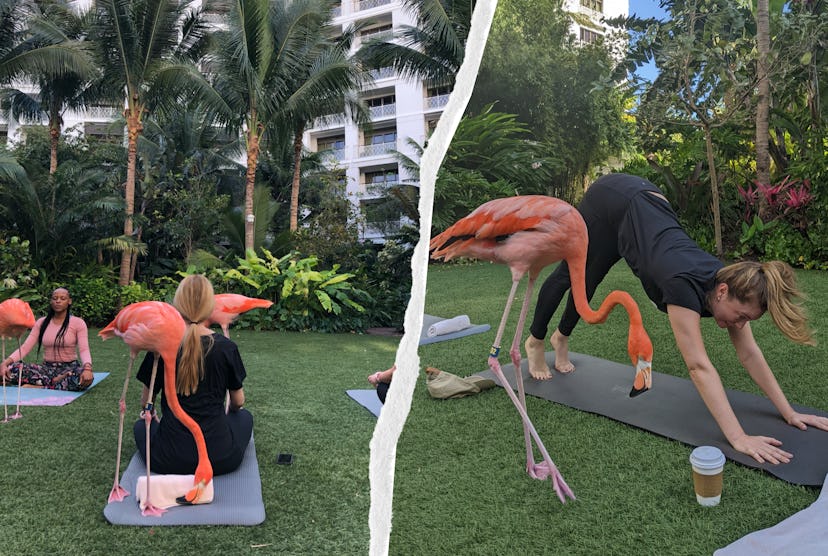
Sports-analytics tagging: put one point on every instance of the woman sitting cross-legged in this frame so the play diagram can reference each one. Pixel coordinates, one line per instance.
(63, 337)
(208, 365)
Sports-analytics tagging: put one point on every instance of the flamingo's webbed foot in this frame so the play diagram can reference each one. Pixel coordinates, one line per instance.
(16, 415)
(152, 511)
(544, 470)
(561, 488)
(539, 470)
(118, 493)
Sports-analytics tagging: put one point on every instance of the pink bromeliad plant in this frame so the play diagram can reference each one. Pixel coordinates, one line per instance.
(786, 198)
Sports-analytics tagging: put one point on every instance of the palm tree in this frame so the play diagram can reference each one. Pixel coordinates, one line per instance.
(329, 81)
(62, 215)
(184, 157)
(272, 70)
(764, 92)
(433, 49)
(53, 36)
(137, 39)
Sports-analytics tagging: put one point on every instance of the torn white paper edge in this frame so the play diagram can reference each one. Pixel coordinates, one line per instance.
(398, 403)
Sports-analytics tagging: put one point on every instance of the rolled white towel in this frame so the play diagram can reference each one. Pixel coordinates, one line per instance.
(456, 324)
(166, 488)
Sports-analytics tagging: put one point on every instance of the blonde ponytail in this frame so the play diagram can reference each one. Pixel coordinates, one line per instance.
(773, 286)
(194, 300)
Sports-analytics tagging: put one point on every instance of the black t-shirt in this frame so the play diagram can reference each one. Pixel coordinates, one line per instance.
(173, 444)
(672, 268)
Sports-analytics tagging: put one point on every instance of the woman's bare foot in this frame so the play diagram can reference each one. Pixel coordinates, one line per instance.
(432, 371)
(382, 376)
(560, 344)
(536, 357)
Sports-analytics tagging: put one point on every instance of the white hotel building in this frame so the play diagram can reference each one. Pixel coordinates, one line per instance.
(401, 109)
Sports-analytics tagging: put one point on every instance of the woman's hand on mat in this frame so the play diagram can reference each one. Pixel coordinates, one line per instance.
(763, 449)
(86, 377)
(802, 420)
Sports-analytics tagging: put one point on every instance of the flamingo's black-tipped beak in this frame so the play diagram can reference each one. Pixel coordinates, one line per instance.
(636, 392)
(643, 378)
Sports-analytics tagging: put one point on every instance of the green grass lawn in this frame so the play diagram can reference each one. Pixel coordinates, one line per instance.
(460, 487)
(459, 483)
(58, 463)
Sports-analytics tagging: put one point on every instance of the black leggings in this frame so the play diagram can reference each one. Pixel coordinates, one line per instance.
(241, 426)
(602, 254)
(382, 390)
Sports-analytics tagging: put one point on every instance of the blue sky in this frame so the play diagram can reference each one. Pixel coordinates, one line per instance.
(644, 9)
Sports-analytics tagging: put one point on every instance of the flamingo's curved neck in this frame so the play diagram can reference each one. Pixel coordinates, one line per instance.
(172, 401)
(577, 265)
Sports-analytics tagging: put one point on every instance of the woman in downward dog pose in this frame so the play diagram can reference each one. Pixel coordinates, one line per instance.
(628, 217)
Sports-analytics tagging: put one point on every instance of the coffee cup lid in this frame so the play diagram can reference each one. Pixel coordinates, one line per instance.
(707, 457)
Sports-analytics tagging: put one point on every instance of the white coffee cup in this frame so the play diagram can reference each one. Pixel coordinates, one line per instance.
(708, 468)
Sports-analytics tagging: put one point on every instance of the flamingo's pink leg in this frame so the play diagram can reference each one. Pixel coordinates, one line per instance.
(17, 414)
(118, 493)
(149, 508)
(514, 353)
(547, 468)
(542, 471)
(5, 406)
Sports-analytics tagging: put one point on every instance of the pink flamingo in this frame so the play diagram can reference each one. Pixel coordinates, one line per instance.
(159, 328)
(16, 317)
(229, 306)
(527, 233)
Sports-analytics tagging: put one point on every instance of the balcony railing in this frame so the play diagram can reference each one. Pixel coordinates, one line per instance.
(384, 111)
(592, 7)
(377, 150)
(215, 19)
(369, 4)
(384, 36)
(329, 120)
(437, 101)
(382, 73)
(378, 189)
(337, 155)
(104, 112)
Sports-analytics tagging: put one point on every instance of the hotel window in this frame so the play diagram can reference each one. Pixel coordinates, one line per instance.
(382, 177)
(595, 5)
(379, 137)
(588, 36)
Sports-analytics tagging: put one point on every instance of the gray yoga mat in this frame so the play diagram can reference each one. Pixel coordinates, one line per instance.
(428, 320)
(673, 408)
(237, 499)
(367, 399)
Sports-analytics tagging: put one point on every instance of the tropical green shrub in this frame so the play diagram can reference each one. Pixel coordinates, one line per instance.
(304, 298)
(387, 277)
(308, 294)
(785, 232)
(94, 300)
(17, 277)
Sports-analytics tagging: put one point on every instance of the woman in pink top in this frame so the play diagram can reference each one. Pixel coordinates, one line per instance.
(63, 337)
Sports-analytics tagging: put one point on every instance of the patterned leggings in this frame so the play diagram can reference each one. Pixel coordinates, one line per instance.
(51, 375)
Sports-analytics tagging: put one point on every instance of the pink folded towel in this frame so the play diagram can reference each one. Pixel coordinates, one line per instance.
(166, 488)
